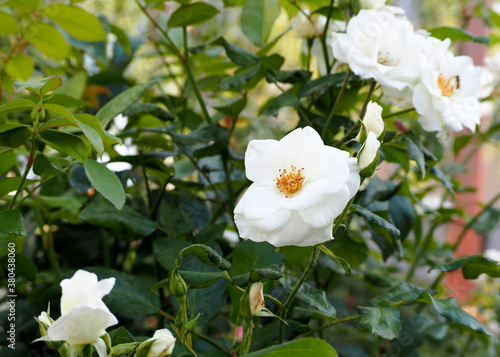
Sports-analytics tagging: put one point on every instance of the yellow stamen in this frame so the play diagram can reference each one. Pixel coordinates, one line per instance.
(448, 86)
(290, 182)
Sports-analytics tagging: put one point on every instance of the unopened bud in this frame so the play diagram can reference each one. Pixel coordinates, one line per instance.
(368, 155)
(178, 286)
(372, 120)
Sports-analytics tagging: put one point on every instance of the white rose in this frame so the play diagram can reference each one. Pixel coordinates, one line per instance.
(299, 187)
(368, 154)
(84, 316)
(163, 344)
(373, 4)
(256, 298)
(447, 94)
(308, 27)
(83, 288)
(381, 46)
(401, 98)
(373, 119)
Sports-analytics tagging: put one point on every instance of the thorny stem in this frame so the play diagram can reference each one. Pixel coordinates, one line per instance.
(310, 266)
(337, 102)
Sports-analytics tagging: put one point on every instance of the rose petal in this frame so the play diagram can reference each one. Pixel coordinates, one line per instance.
(259, 202)
(309, 195)
(262, 161)
(327, 210)
(81, 325)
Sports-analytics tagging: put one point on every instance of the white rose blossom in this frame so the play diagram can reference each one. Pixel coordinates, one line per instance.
(308, 27)
(379, 45)
(163, 344)
(447, 93)
(299, 187)
(84, 316)
(372, 120)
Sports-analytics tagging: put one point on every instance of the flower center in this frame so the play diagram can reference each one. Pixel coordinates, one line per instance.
(289, 182)
(448, 86)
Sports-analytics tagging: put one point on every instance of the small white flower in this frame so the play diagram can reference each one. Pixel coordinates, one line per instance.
(373, 119)
(446, 94)
(163, 344)
(299, 187)
(381, 46)
(44, 318)
(256, 299)
(373, 4)
(308, 27)
(368, 154)
(84, 316)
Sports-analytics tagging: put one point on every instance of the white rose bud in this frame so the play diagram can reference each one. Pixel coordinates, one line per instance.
(373, 4)
(372, 120)
(163, 344)
(368, 155)
(304, 27)
(44, 318)
(256, 298)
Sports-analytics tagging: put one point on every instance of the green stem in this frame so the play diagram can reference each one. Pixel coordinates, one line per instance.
(340, 218)
(309, 45)
(31, 157)
(51, 254)
(420, 251)
(401, 112)
(229, 183)
(367, 99)
(310, 266)
(337, 101)
(323, 39)
(189, 71)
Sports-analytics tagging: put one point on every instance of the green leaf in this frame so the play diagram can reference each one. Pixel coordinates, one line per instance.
(201, 279)
(383, 321)
(207, 255)
(14, 137)
(460, 142)
(7, 160)
(131, 293)
(305, 347)
(283, 100)
(39, 87)
(321, 85)
(257, 19)
(105, 182)
(451, 309)
(234, 109)
(339, 260)
(487, 221)
(481, 265)
(248, 255)
(402, 214)
(233, 3)
(372, 217)
(454, 264)
(403, 291)
(415, 151)
(49, 41)
(43, 167)
(192, 14)
(8, 23)
(121, 37)
(66, 143)
(76, 21)
(310, 296)
(436, 171)
(271, 272)
(20, 66)
(120, 103)
(240, 78)
(11, 184)
(396, 154)
(453, 33)
(17, 105)
(237, 54)
(11, 222)
(25, 5)
(126, 224)
(89, 130)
